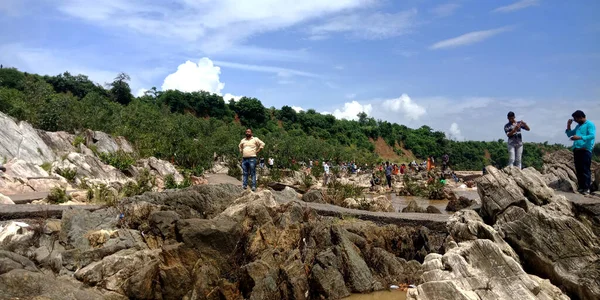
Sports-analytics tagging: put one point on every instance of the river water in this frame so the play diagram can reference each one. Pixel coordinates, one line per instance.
(400, 202)
(381, 295)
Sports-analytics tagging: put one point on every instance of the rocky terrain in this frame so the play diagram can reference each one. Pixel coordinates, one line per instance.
(525, 240)
(37, 161)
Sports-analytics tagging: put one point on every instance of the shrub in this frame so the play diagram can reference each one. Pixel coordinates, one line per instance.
(58, 195)
(337, 192)
(120, 159)
(170, 182)
(317, 171)
(307, 181)
(102, 194)
(78, 140)
(275, 174)
(68, 173)
(145, 182)
(46, 166)
(234, 168)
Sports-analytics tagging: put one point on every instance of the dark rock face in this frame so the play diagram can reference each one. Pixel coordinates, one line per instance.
(314, 195)
(460, 203)
(165, 247)
(199, 201)
(482, 266)
(559, 171)
(413, 207)
(543, 229)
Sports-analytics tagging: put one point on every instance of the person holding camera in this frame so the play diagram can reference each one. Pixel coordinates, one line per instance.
(583, 137)
(515, 140)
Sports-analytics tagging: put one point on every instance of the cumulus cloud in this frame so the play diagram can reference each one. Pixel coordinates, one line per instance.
(140, 92)
(469, 38)
(351, 110)
(517, 6)
(403, 104)
(297, 108)
(192, 77)
(229, 96)
(454, 132)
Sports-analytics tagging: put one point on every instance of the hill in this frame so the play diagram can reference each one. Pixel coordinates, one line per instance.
(191, 128)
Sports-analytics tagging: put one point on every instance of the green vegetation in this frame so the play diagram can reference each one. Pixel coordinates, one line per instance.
(170, 182)
(337, 192)
(78, 140)
(58, 195)
(101, 193)
(47, 166)
(190, 128)
(68, 173)
(144, 182)
(120, 160)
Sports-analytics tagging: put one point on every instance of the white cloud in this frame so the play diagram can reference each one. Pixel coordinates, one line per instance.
(517, 6)
(351, 110)
(350, 96)
(454, 132)
(469, 38)
(297, 108)
(229, 96)
(410, 109)
(192, 77)
(281, 72)
(370, 27)
(444, 10)
(215, 24)
(140, 92)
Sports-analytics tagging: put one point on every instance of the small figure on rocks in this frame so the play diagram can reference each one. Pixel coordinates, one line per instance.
(445, 161)
(326, 173)
(515, 140)
(583, 137)
(250, 146)
(388, 174)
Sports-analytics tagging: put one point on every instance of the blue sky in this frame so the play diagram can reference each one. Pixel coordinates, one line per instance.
(458, 66)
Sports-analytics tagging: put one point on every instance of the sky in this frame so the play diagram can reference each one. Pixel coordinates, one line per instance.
(457, 66)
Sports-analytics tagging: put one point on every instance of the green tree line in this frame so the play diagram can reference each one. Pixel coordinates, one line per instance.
(190, 129)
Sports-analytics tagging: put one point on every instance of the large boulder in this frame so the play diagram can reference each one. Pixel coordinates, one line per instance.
(199, 201)
(90, 169)
(478, 264)
(60, 142)
(158, 167)
(381, 203)
(459, 203)
(20, 140)
(104, 143)
(542, 228)
(479, 270)
(559, 170)
(314, 195)
(413, 207)
(26, 284)
(5, 200)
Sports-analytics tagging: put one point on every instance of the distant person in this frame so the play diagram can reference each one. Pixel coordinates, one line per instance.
(583, 137)
(403, 169)
(374, 180)
(430, 163)
(388, 174)
(445, 161)
(326, 173)
(271, 162)
(262, 162)
(515, 141)
(250, 146)
(395, 170)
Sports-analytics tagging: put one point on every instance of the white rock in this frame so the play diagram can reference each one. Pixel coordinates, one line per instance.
(22, 141)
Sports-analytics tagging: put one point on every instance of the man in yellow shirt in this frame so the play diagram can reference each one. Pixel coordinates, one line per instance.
(250, 146)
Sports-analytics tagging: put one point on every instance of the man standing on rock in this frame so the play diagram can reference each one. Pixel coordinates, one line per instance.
(249, 148)
(583, 137)
(515, 141)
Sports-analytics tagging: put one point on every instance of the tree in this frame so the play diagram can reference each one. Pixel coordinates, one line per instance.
(120, 90)
(250, 111)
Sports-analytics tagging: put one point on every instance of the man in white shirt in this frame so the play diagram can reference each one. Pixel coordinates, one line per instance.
(250, 146)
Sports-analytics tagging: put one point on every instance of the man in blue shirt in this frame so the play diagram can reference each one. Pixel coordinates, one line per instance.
(583, 137)
(388, 174)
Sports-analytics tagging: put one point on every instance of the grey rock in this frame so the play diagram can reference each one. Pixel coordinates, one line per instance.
(314, 195)
(20, 140)
(25, 284)
(201, 201)
(358, 274)
(497, 192)
(478, 270)
(413, 207)
(432, 210)
(11, 261)
(328, 283)
(460, 203)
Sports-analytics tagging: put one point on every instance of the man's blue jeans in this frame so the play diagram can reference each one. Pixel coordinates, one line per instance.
(249, 167)
(583, 161)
